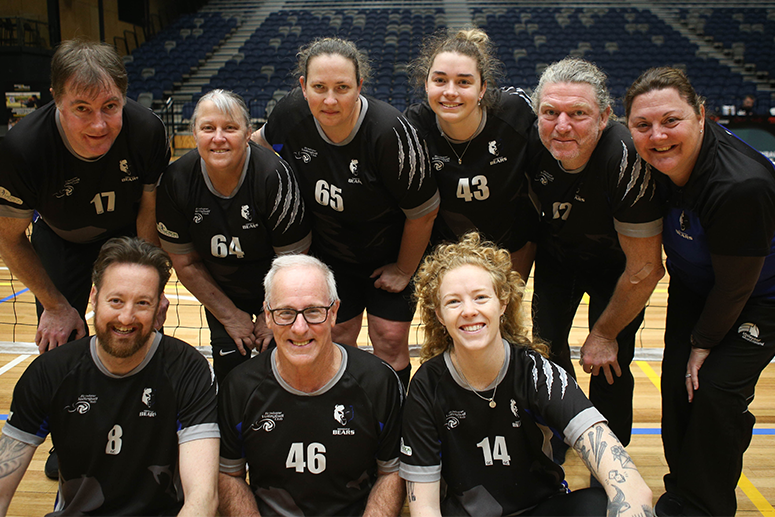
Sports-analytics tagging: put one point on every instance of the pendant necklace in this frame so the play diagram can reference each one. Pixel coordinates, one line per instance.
(459, 156)
(491, 400)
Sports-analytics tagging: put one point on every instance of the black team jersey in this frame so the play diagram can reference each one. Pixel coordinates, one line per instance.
(311, 453)
(488, 191)
(495, 461)
(81, 200)
(116, 437)
(236, 236)
(359, 191)
(582, 211)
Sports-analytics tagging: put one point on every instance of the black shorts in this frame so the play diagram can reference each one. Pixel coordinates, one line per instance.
(357, 292)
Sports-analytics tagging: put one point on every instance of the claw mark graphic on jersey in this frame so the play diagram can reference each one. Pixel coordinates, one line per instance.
(265, 424)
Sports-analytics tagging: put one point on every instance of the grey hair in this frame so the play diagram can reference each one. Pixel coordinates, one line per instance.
(574, 70)
(292, 261)
(228, 103)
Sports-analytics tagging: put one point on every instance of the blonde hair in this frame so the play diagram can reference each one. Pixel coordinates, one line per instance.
(509, 287)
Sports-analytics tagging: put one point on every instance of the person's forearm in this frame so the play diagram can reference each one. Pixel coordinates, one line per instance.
(414, 241)
(386, 496)
(235, 497)
(627, 301)
(146, 219)
(198, 280)
(607, 459)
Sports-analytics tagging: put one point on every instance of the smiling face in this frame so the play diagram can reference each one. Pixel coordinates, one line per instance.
(667, 132)
(333, 94)
(221, 141)
(454, 87)
(125, 310)
(469, 308)
(302, 345)
(91, 122)
(570, 122)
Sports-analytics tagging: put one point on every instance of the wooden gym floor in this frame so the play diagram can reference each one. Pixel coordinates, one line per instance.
(755, 492)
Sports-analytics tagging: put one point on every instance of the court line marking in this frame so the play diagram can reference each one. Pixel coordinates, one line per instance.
(13, 363)
(744, 483)
(11, 297)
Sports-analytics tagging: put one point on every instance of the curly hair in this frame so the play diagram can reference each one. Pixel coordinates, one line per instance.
(473, 43)
(509, 286)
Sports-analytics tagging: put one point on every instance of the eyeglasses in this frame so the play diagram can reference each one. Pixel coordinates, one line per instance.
(287, 316)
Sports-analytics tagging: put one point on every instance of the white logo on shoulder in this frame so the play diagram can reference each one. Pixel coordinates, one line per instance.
(750, 332)
(343, 415)
(148, 398)
(405, 449)
(165, 231)
(4, 194)
(268, 421)
(82, 405)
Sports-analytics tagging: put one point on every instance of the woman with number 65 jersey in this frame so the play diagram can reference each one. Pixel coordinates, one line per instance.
(365, 176)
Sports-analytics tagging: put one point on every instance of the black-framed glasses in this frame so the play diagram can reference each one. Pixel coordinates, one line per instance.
(287, 316)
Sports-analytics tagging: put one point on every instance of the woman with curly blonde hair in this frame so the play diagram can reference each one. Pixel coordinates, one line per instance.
(484, 404)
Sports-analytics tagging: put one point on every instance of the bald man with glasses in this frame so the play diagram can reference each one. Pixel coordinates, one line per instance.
(316, 423)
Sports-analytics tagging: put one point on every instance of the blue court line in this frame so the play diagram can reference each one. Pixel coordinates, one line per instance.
(14, 295)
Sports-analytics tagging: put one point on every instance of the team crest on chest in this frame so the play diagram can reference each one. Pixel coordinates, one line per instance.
(439, 161)
(343, 416)
(492, 146)
(268, 421)
(545, 178)
(306, 154)
(148, 399)
(82, 405)
(354, 173)
(515, 412)
(453, 418)
(750, 332)
(245, 213)
(123, 165)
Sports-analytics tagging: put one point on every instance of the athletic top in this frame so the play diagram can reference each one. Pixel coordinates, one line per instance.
(488, 191)
(495, 461)
(311, 453)
(116, 436)
(81, 200)
(582, 211)
(238, 235)
(726, 208)
(361, 190)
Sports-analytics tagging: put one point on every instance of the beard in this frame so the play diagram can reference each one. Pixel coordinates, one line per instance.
(121, 348)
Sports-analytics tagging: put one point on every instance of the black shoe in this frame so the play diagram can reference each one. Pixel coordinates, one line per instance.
(52, 465)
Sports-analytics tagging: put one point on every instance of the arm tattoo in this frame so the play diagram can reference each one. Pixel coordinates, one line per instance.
(11, 454)
(614, 475)
(620, 454)
(410, 489)
(597, 447)
(617, 505)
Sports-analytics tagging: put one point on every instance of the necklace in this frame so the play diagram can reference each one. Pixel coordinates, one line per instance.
(459, 156)
(491, 400)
